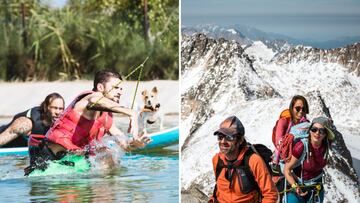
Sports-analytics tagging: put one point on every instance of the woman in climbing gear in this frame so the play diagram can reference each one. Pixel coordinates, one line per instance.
(307, 162)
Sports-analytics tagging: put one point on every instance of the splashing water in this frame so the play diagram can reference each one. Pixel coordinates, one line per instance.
(108, 154)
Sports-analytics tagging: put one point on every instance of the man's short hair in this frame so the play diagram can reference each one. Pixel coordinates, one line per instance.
(103, 76)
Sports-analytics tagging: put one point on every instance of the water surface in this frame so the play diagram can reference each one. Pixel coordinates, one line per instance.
(146, 177)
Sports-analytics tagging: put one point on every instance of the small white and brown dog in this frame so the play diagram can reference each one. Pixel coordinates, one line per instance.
(150, 110)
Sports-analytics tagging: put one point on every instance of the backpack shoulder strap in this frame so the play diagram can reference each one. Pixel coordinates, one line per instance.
(248, 154)
(245, 162)
(305, 152)
(219, 167)
(304, 155)
(247, 168)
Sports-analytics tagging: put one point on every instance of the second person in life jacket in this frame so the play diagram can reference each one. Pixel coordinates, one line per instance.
(35, 121)
(89, 118)
(237, 181)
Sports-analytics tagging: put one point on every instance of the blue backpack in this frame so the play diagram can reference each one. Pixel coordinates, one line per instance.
(299, 132)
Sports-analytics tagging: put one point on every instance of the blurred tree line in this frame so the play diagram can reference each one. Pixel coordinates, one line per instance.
(39, 42)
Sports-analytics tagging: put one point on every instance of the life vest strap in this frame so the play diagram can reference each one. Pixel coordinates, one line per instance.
(35, 139)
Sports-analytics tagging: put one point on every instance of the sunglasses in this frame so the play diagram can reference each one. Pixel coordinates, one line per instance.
(321, 130)
(227, 137)
(298, 108)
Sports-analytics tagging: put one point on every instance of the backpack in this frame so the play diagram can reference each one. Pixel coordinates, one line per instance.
(284, 114)
(242, 169)
(276, 154)
(299, 132)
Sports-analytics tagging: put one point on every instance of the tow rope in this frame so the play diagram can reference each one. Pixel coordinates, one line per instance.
(137, 84)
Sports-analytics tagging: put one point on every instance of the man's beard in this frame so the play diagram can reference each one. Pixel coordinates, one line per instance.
(229, 149)
(48, 119)
(115, 98)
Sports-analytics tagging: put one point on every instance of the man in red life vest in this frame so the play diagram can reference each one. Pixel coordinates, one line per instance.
(88, 118)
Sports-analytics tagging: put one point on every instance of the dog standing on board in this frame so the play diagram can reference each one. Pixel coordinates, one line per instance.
(150, 110)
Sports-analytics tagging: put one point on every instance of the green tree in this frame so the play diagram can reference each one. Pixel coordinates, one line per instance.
(86, 36)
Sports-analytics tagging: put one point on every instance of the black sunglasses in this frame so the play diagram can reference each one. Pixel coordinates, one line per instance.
(298, 108)
(321, 130)
(227, 137)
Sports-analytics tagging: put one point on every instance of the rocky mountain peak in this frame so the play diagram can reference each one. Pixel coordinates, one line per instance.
(225, 70)
(196, 47)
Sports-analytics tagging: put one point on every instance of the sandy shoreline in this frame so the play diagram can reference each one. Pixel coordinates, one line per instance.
(17, 97)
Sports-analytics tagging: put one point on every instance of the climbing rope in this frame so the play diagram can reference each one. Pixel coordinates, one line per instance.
(316, 186)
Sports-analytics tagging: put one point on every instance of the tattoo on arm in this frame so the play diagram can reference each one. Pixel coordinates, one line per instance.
(20, 126)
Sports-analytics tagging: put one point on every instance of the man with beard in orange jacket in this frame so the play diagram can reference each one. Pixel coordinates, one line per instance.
(241, 174)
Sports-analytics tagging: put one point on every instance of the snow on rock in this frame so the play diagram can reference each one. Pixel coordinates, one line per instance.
(232, 31)
(259, 51)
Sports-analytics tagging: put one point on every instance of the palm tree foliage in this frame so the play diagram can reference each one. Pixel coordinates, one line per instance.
(84, 36)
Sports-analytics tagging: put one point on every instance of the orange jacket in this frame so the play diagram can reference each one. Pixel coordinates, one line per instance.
(262, 177)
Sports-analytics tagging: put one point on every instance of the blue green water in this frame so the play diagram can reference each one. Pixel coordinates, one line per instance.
(141, 178)
(146, 177)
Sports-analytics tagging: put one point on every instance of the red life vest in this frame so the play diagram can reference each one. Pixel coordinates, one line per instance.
(73, 131)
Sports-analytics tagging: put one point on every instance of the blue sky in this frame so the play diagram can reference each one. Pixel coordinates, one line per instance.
(55, 3)
(302, 19)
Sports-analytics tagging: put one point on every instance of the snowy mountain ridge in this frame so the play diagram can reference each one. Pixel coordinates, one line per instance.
(246, 34)
(220, 78)
(348, 56)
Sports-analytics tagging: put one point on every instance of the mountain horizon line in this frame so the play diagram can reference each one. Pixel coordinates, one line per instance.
(255, 34)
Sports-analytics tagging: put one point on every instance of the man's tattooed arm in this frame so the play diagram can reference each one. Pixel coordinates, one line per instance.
(20, 126)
